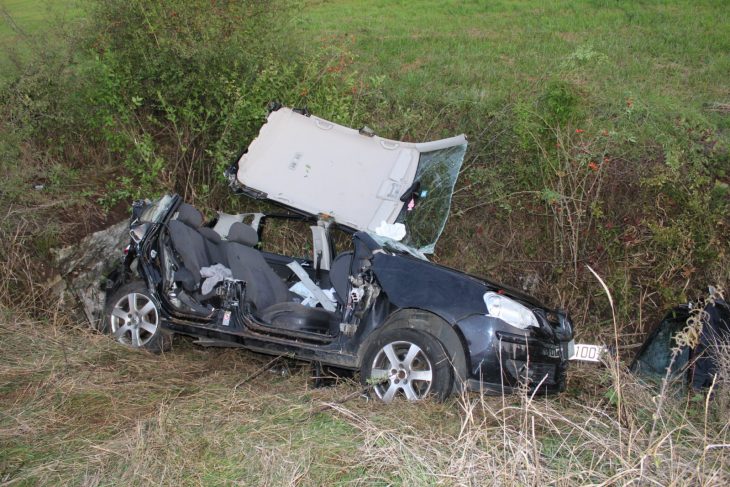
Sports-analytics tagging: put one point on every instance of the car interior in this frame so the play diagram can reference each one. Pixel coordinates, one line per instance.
(194, 246)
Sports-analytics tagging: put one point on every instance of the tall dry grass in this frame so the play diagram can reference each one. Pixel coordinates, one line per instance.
(79, 409)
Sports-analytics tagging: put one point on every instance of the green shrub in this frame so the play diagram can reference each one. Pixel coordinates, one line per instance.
(169, 93)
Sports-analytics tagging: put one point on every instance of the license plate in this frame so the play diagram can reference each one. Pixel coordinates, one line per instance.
(584, 352)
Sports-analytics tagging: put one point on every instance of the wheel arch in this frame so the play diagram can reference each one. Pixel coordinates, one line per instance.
(434, 325)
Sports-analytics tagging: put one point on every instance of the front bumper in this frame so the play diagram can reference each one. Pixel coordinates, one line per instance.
(504, 359)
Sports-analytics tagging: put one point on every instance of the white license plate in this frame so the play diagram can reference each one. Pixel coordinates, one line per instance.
(584, 352)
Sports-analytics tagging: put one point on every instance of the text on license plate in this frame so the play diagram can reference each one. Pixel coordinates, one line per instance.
(587, 353)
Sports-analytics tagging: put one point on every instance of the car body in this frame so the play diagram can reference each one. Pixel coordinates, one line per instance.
(411, 328)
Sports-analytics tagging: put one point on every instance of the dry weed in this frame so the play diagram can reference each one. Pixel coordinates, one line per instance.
(79, 409)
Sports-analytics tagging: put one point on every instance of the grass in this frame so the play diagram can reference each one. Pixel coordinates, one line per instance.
(76, 401)
(33, 16)
(658, 53)
(79, 409)
(28, 15)
(20, 20)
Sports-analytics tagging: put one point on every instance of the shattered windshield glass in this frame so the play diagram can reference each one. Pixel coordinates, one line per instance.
(426, 209)
(156, 210)
(395, 246)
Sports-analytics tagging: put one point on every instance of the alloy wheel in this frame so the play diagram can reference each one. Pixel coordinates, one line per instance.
(401, 368)
(134, 319)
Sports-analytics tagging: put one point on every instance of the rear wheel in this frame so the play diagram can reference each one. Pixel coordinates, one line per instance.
(407, 363)
(132, 317)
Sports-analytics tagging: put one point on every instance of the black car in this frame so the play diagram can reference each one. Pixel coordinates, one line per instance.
(365, 298)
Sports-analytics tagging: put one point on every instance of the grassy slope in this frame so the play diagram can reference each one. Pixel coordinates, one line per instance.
(670, 54)
(77, 409)
(641, 69)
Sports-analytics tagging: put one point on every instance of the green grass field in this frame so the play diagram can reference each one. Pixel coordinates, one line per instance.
(33, 16)
(668, 55)
(671, 56)
(20, 20)
(28, 15)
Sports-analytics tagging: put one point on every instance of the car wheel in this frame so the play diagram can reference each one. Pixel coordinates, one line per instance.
(132, 317)
(408, 363)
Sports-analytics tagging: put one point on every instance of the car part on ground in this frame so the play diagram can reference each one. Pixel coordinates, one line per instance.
(80, 266)
(688, 344)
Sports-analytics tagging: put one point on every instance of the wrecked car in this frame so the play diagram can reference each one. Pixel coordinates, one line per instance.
(365, 298)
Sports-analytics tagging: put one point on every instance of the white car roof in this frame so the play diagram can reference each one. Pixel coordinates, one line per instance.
(320, 167)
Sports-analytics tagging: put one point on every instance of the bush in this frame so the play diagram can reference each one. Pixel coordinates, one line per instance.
(153, 97)
(165, 95)
(564, 185)
(180, 89)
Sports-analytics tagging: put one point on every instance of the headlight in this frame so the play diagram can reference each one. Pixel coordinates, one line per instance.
(509, 310)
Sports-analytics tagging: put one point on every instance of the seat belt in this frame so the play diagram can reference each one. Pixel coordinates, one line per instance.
(311, 286)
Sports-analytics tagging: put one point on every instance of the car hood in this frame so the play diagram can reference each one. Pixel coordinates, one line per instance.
(360, 180)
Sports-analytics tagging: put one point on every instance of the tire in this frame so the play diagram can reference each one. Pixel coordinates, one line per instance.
(409, 363)
(132, 317)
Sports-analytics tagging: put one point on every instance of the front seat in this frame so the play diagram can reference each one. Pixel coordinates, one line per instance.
(266, 290)
(263, 286)
(189, 245)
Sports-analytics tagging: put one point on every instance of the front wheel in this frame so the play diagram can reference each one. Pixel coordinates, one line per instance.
(132, 317)
(409, 363)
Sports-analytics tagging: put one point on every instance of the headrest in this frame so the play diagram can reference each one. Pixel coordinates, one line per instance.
(189, 215)
(243, 234)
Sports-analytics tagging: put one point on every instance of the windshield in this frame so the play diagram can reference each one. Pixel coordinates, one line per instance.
(156, 210)
(395, 246)
(431, 200)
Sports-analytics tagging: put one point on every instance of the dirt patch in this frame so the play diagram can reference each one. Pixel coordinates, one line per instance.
(412, 66)
(570, 36)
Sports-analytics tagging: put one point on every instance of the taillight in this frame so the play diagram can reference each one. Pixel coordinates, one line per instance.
(126, 250)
